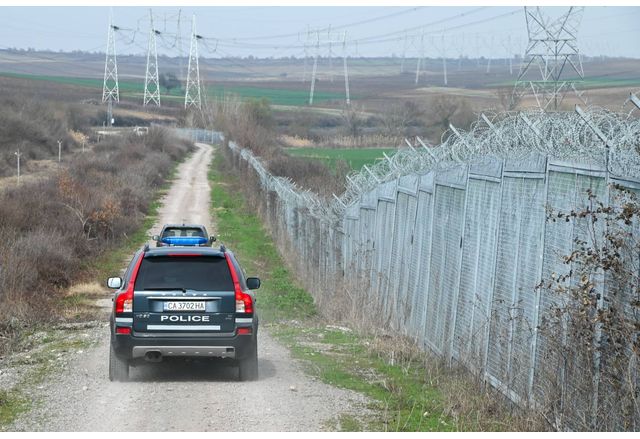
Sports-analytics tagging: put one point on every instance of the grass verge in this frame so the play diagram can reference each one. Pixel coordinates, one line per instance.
(280, 297)
(42, 354)
(403, 399)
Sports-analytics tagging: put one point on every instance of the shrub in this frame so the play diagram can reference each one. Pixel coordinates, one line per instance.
(592, 330)
(51, 228)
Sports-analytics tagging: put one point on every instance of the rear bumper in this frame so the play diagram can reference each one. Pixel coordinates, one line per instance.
(131, 347)
(184, 351)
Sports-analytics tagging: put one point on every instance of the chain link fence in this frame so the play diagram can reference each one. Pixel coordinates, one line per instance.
(447, 244)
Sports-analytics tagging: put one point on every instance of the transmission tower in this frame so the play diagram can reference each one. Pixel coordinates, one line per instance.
(110, 90)
(404, 53)
(443, 54)
(420, 57)
(329, 42)
(151, 82)
(346, 69)
(179, 45)
(193, 97)
(315, 68)
(553, 49)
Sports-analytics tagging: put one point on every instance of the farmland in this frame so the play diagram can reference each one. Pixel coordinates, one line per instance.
(355, 158)
(135, 88)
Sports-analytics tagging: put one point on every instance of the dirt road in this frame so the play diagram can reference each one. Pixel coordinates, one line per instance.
(186, 396)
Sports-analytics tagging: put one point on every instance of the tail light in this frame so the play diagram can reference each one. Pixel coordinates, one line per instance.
(244, 302)
(124, 300)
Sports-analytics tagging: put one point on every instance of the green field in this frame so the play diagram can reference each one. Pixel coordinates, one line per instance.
(356, 158)
(125, 86)
(129, 88)
(276, 96)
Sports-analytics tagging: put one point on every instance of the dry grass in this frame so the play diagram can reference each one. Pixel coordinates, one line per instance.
(296, 142)
(89, 289)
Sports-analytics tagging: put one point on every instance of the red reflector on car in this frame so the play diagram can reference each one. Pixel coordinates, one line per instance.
(123, 330)
(244, 331)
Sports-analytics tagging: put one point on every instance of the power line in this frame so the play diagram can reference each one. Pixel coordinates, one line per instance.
(321, 29)
(376, 39)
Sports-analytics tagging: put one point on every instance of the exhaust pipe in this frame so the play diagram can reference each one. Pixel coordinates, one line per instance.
(153, 356)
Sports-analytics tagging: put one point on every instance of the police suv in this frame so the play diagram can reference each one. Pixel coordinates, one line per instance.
(183, 302)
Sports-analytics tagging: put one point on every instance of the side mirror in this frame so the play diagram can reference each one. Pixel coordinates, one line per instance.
(155, 238)
(253, 283)
(114, 282)
(212, 238)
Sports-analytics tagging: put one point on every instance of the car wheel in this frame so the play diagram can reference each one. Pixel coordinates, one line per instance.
(118, 369)
(249, 366)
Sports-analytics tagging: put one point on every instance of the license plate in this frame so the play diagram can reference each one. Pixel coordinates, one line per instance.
(184, 306)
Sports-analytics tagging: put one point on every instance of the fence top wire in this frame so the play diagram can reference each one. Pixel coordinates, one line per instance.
(514, 135)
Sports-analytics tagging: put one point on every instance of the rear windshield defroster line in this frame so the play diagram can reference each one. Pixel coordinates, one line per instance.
(200, 273)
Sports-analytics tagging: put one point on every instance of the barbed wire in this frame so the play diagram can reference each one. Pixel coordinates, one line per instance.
(512, 135)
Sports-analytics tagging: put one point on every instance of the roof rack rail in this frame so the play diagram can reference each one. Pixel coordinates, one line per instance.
(223, 248)
(146, 247)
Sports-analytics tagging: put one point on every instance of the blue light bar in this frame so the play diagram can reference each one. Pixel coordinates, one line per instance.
(184, 240)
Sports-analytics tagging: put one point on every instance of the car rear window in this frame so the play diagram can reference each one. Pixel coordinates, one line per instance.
(201, 273)
(182, 231)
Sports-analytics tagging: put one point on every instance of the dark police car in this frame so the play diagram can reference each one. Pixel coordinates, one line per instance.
(183, 302)
(183, 234)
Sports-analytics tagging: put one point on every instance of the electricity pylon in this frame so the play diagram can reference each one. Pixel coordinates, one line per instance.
(346, 69)
(404, 53)
(552, 47)
(179, 45)
(151, 82)
(315, 68)
(110, 90)
(192, 97)
(420, 57)
(329, 42)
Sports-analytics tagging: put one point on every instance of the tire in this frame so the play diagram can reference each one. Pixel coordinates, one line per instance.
(118, 369)
(248, 366)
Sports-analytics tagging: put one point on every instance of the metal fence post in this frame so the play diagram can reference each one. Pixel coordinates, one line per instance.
(456, 296)
(534, 341)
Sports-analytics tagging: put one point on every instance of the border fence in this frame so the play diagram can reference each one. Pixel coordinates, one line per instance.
(448, 245)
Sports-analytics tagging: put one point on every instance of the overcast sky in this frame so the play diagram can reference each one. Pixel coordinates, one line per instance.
(282, 31)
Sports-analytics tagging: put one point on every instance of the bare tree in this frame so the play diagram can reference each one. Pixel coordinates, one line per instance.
(353, 120)
(398, 117)
(449, 110)
(508, 98)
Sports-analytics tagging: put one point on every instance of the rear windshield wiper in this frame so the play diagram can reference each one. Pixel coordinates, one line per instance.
(184, 290)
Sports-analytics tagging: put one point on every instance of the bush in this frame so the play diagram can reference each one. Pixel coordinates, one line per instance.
(592, 331)
(34, 127)
(249, 125)
(51, 228)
